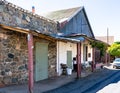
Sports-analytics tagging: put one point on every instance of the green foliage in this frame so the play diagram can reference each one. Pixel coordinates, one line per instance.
(114, 49)
(99, 45)
(116, 42)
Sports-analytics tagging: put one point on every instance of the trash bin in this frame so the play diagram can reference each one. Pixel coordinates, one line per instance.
(69, 71)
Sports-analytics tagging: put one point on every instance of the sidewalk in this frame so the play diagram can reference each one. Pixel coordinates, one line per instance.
(85, 84)
(43, 85)
(56, 82)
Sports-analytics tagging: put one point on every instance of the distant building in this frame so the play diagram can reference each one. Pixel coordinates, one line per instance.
(104, 39)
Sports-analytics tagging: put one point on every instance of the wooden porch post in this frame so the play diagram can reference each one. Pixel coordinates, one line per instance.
(93, 59)
(30, 62)
(78, 60)
(106, 58)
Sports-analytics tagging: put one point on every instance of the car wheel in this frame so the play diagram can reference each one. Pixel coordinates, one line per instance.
(114, 67)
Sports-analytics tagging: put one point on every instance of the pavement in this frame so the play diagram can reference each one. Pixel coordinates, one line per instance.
(64, 84)
(111, 88)
(44, 85)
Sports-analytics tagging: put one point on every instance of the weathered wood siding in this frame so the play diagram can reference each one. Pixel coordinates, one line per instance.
(78, 24)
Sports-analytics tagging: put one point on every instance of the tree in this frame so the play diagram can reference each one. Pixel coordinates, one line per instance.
(114, 49)
(99, 45)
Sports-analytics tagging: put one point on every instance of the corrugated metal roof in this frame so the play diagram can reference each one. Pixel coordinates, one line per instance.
(52, 37)
(62, 14)
(79, 37)
(75, 38)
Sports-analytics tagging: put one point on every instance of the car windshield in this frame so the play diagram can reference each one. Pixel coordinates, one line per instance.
(117, 59)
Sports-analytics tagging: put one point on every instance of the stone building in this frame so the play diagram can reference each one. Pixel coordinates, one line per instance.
(15, 23)
(50, 49)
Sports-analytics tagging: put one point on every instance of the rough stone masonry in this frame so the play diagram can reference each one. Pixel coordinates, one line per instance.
(13, 45)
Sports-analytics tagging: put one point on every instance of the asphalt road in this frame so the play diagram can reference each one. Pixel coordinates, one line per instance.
(90, 84)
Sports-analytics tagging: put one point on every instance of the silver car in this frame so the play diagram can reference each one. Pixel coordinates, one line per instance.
(116, 63)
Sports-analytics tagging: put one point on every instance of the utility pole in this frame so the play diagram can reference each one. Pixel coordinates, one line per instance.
(107, 61)
(107, 36)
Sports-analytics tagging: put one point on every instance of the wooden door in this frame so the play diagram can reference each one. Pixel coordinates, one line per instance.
(41, 64)
(69, 59)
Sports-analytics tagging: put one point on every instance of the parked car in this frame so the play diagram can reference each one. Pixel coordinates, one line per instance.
(116, 63)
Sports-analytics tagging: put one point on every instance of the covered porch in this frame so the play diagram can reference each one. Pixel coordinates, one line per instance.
(75, 48)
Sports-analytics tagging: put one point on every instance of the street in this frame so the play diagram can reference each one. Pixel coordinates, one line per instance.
(106, 83)
(90, 84)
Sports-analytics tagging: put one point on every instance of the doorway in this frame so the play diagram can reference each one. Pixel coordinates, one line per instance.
(69, 59)
(41, 61)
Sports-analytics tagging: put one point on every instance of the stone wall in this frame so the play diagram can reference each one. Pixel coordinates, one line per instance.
(13, 57)
(12, 15)
(52, 55)
(52, 58)
(13, 45)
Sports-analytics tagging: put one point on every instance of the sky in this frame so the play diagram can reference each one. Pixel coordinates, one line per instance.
(102, 14)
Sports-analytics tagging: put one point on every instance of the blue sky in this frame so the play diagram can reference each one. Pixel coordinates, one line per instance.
(102, 14)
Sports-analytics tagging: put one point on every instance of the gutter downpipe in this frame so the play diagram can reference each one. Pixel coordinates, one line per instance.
(30, 62)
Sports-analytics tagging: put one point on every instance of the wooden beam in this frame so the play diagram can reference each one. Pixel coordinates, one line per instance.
(26, 31)
(15, 29)
(47, 37)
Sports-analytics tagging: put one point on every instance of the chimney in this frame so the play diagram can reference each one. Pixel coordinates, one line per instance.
(33, 9)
